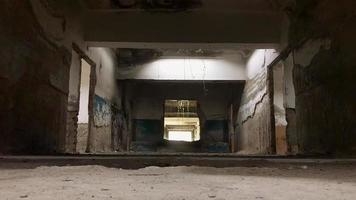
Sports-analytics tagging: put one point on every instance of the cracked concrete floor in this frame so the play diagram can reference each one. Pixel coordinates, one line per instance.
(179, 183)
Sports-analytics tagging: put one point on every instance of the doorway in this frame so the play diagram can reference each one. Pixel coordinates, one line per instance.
(181, 121)
(82, 81)
(83, 114)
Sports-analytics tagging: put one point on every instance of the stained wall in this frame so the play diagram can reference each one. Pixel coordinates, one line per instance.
(323, 74)
(39, 99)
(255, 115)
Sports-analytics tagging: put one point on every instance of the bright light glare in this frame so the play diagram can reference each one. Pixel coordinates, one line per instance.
(188, 69)
(180, 136)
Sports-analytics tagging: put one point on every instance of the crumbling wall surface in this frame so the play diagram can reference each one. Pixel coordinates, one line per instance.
(289, 106)
(107, 103)
(73, 104)
(254, 129)
(101, 128)
(254, 117)
(324, 75)
(34, 72)
(279, 101)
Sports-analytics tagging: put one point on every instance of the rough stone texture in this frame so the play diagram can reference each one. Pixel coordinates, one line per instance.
(81, 138)
(72, 131)
(324, 75)
(34, 83)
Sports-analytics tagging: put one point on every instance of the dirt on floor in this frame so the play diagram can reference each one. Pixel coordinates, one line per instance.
(179, 183)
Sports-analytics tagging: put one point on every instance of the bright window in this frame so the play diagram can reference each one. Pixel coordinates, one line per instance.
(181, 121)
(186, 136)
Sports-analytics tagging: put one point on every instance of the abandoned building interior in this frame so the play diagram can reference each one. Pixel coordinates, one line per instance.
(75, 82)
(178, 77)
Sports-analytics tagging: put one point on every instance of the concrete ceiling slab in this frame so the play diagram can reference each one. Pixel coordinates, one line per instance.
(177, 30)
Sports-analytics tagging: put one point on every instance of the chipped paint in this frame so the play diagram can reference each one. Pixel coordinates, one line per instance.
(102, 112)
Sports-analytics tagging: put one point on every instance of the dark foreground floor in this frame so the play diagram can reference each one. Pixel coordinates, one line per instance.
(100, 177)
(136, 161)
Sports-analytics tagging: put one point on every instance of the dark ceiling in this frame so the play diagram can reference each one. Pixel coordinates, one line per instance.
(181, 5)
(144, 4)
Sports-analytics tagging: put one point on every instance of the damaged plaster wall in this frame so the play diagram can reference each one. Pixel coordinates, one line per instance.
(39, 101)
(289, 105)
(325, 98)
(83, 115)
(324, 74)
(35, 51)
(254, 129)
(279, 87)
(106, 101)
(73, 104)
(285, 115)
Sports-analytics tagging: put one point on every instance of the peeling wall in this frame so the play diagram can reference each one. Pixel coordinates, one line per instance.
(289, 105)
(324, 74)
(325, 99)
(107, 102)
(279, 87)
(254, 129)
(73, 103)
(34, 76)
(103, 126)
(39, 109)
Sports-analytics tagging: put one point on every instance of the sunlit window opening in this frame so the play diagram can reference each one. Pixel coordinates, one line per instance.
(186, 136)
(181, 121)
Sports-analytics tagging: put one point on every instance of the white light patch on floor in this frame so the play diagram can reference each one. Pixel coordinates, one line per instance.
(180, 136)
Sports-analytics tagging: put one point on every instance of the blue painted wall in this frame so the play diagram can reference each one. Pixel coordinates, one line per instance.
(102, 112)
(216, 131)
(148, 130)
(148, 135)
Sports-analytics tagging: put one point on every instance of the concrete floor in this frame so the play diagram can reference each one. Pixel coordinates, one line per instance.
(252, 178)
